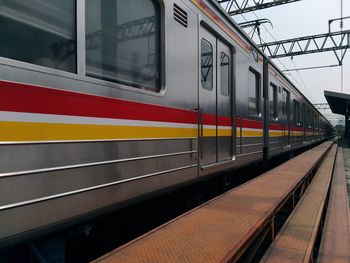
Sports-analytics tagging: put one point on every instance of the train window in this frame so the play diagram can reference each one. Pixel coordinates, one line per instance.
(273, 102)
(296, 112)
(225, 76)
(302, 115)
(295, 120)
(285, 104)
(122, 42)
(254, 92)
(39, 32)
(315, 122)
(309, 119)
(206, 65)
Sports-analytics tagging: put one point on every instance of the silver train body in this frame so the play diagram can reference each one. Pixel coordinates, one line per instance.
(74, 143)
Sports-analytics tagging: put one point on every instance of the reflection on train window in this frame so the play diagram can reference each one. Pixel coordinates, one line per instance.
(225, 76)
(206, 65)
(39, 32)
(273, 102)
(296, 112)
(254, 92)
(122, 42)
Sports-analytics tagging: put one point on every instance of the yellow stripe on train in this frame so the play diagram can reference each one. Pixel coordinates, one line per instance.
(24, 131)
(32, 131)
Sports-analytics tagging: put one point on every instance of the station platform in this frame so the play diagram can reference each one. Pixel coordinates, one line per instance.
(335, 242)
(296, 240)
(235, 225)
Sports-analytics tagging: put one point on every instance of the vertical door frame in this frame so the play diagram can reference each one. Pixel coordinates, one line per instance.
(233, 153)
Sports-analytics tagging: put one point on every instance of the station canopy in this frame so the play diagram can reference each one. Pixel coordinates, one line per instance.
(338, 102)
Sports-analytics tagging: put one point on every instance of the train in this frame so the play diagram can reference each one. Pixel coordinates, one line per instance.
(103, 102)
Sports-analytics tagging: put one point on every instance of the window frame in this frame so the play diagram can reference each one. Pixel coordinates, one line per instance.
(258, 93)
(274, 97)
(302, 114)
(212, 69)
(12, 62)
(229, 85)
(80, 57)
(158, 42)
(309, 117)
(296, 112)
(286, 107)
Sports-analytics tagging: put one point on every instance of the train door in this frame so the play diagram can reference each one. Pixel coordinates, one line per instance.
(215, 101)
(224, 102)
(285, 118)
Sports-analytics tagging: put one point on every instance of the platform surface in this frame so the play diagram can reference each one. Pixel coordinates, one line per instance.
(335, 242)
(296, 240)
(346, 154)
(220, 229)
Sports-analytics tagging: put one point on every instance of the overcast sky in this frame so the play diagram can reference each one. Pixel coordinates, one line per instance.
(307, 17)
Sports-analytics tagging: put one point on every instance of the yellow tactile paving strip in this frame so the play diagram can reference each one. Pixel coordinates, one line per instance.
(295, 241)
(335, 242)
(218, 230)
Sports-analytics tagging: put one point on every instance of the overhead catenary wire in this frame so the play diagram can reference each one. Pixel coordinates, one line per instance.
(303, 86)
(316, 67)
(297, 77)
(302, 81)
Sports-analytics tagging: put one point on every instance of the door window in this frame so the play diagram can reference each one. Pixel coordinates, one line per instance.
(225, 76)
(254, 92)
(273, 102)
(206, 65)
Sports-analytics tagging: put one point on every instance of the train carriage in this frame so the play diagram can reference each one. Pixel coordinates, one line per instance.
(102, 102)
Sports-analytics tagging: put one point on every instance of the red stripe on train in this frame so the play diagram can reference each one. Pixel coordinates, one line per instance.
(18, 97)
(298, 129)
(253, 124)
(210, 119)
(33, 99)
